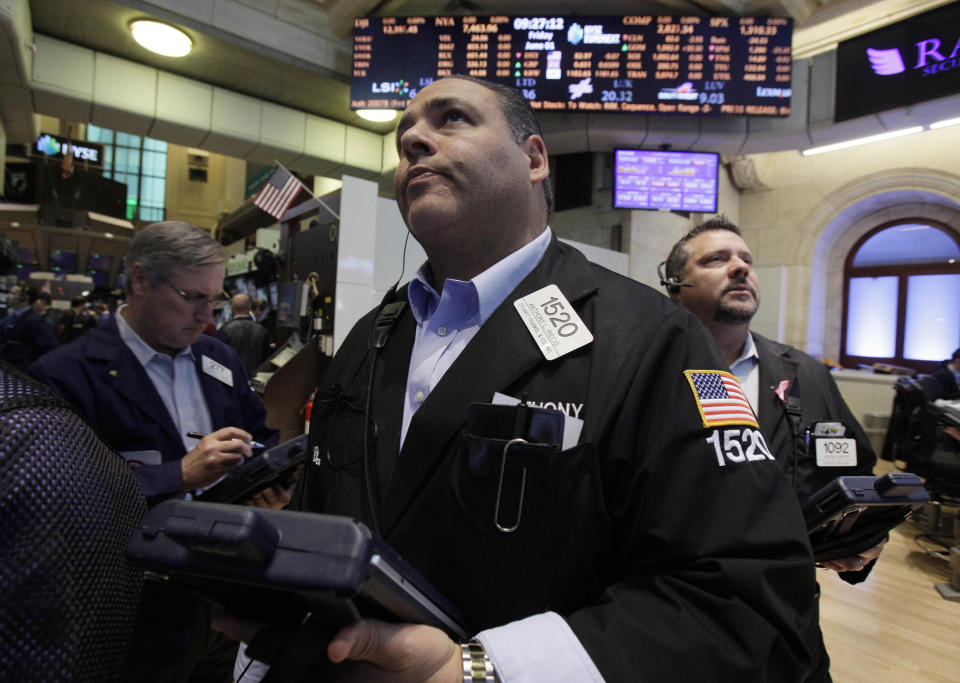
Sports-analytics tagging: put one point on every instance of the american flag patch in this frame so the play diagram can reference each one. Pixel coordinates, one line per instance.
(720, 399)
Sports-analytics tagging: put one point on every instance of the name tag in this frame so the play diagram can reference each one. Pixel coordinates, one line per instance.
(572, 426)
(138, 458)
(552, 322)
(836, 452)
(217, 371)
(829, 429)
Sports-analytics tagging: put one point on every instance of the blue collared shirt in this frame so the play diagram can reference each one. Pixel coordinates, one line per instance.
(175, 379)
(446, 322)
(747, 370)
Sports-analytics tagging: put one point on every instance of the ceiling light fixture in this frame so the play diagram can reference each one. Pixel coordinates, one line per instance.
(161, 38)
(944, 123)
(377, 115)
(862, 141)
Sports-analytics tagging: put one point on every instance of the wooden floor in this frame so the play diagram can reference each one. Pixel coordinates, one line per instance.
(895, 626)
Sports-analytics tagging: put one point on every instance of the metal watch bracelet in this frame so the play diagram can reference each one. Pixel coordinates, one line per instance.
(477, 667)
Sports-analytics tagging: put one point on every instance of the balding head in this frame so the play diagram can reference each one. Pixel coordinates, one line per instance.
(240, 304)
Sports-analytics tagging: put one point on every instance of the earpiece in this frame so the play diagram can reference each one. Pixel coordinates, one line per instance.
(671, 283)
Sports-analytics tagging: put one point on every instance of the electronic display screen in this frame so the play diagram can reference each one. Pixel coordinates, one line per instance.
(289, 304)
(99, 262)
(101, 278)
(644, 64)
(60, 259)
(656, 179)
(907, 62)
(27, 255)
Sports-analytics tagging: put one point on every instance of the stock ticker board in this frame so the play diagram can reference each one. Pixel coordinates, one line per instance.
(643, 64)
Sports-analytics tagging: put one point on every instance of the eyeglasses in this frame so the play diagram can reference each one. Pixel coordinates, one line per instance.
(199, 301)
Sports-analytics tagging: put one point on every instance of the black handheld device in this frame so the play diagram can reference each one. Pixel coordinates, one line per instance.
(274, 466)
(852, 514)
(285, 567)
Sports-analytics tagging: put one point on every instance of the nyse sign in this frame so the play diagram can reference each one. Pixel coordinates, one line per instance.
(51, 146)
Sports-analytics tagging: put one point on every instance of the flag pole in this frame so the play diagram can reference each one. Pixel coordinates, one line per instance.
(309, 191)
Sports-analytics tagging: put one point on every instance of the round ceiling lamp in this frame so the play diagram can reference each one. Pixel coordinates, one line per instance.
(377, 115)
(161, 38)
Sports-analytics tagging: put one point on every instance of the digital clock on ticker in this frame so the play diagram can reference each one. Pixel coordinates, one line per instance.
(637, 64)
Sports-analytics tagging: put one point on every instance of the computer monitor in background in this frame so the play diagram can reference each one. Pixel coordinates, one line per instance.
(665, 180)
(62, 261)
(101, 278)
(291, 304)
(99, 262)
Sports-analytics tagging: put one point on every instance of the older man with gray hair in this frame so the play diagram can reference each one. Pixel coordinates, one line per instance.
(148, 381)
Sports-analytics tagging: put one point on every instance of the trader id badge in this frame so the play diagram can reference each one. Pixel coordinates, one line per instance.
(552, 322)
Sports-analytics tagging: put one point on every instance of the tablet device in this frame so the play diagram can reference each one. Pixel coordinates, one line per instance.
(280, 566)
(273, 466)
(852, 514)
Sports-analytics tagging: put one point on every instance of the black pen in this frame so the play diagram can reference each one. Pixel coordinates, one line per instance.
(200, 435)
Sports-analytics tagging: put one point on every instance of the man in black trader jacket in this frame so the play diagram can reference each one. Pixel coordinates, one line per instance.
(710, 272)
(249, 339)
(949, 376)
(644, 551)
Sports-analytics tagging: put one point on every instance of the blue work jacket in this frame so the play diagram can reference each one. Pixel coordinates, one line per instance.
(106, 383)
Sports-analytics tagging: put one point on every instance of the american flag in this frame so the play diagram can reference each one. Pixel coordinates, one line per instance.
(720, 398)
(278, 193)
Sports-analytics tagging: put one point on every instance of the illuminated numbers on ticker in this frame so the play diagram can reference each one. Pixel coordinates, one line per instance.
(538, 23)
(711, 98)
(529, 93)
(616, 96)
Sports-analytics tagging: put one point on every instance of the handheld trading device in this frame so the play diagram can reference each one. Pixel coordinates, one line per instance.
(852, 514)
(280, 566)
(274, 466)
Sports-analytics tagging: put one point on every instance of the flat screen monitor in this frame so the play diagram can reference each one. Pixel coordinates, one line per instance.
(101, 278)
(291, 304)
(643, 64)
(99, 262)
(63, 260)
(658, 179)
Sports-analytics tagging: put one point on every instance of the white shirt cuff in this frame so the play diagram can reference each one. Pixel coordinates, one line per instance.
(538, 648)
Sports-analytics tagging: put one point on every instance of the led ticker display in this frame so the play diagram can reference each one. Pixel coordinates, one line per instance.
(643, 64)
(656, 179)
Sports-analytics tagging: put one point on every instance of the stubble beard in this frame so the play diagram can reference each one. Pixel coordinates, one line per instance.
(735, 315)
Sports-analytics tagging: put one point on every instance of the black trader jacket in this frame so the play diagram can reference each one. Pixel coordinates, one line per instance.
(948, 382)
(249, 339)
(669, 560)
(820, 401)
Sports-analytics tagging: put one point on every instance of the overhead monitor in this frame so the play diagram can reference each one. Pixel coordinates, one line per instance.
(640, 63)
(61, 259)
(665, 180)
(99, 261)
(910, 61)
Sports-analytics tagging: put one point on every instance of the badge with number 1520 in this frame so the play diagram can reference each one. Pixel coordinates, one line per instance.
(551, 320)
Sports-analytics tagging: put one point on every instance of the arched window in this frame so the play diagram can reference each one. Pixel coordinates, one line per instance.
(901, 302)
